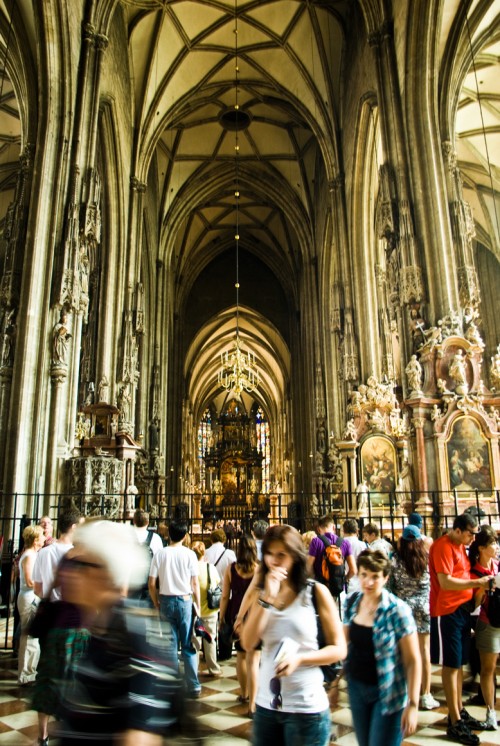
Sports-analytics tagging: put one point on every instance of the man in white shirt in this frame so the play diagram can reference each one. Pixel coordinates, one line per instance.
(49, 557)
(144, 534)
(217, 554)
(176, 568)
(371, 534)
(153, 543)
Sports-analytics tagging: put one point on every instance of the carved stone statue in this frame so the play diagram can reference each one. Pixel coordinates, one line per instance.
(131, 492)
(8, 339)
(495, 371)
(458, 371)
(102, 389)
(321, 438)
(153, 434)
(350, 432)
(472, 334)
(124, 401)
(414, 375)
(361, 497)
(60, 339)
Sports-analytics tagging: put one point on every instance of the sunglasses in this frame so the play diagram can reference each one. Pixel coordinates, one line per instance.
(77, 562)
(275, 688)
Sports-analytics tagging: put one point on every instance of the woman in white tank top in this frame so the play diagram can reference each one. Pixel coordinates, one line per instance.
(292, 705)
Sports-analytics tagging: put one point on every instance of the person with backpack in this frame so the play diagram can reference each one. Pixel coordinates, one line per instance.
(483, 558)
(328, 557)
(153, 543)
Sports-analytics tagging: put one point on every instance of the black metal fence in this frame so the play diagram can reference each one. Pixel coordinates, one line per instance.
(203, 513)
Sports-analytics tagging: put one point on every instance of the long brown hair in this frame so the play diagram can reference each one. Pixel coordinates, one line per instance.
(246, 554)
(414, 556)
(292, 540)
(484, 537)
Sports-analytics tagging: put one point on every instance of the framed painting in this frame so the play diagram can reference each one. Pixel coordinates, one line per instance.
(469, 462)
(378, 468)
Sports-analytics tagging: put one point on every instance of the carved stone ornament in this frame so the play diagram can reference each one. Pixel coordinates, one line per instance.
(468, 286)
(495, 371)
(412, 287)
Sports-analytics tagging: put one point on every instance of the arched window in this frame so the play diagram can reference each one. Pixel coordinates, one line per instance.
(264, 446)
(204, 433)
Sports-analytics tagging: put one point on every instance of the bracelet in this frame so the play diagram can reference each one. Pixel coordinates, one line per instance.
(264, 604)
(412, 704)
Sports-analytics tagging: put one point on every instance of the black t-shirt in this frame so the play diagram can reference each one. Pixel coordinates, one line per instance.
(361, 663)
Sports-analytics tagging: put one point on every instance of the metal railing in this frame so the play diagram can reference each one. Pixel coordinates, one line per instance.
(203, 513)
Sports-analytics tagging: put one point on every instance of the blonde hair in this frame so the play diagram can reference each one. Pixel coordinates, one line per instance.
(307, 538)
(31, 534)
(198, 548)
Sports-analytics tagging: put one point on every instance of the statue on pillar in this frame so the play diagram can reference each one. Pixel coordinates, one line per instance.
(102, 389)
(8, 339)
(458, 371)
(60, 340)
(495, 371)
(414, 375)
(362, 497)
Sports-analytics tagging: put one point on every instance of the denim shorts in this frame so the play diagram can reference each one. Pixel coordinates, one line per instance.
(290, 728)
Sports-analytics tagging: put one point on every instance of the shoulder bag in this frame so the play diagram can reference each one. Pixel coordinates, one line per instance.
(214, 593)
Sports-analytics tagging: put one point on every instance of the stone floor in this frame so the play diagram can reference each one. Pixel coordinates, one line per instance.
(223, 718)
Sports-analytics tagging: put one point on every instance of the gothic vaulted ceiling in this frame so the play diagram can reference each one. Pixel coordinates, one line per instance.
(290, 57)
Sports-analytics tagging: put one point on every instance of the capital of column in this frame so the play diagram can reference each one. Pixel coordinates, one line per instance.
(136, 185)
(449, 154)
(418, 423)
(58, 374)
(336, 183)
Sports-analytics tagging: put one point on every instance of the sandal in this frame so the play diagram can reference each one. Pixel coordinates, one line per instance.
(242, 699)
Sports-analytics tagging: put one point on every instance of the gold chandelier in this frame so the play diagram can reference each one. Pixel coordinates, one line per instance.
(238, 371)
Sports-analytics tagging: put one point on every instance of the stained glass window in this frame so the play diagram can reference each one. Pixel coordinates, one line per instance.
(204, 432)
(264, 446)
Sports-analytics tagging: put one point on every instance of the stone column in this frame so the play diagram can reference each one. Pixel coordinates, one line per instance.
(58, 375)
(418, 423)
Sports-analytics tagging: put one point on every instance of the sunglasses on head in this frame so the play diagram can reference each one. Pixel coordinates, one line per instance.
(275, 687)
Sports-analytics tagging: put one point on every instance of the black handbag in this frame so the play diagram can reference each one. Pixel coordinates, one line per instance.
(225, 642)
(214, 594)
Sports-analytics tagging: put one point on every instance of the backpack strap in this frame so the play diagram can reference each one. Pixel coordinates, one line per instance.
(222, 555)
(149, 538)
(326, 541)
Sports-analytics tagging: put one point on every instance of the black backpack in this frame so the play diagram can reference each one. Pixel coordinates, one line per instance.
(332, 566)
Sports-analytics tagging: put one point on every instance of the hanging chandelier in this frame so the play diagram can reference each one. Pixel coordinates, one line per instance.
(238, 371)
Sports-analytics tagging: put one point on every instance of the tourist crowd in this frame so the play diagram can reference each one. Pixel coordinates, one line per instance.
(108, 611)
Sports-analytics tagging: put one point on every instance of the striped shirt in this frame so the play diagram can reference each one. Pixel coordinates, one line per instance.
(393, 621)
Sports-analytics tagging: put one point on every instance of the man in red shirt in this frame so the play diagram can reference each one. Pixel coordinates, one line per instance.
(451, 594)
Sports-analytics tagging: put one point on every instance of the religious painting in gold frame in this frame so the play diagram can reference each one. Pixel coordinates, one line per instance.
(469, 460)
(378, 468)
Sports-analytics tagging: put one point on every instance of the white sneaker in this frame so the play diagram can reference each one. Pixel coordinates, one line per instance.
(427, 702)
(491, 720)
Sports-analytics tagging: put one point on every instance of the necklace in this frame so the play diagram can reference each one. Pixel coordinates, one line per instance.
(370, 611)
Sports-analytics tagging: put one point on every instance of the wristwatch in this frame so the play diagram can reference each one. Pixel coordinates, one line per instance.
(264, 604)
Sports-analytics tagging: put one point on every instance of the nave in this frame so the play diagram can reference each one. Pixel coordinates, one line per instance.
(223, 718)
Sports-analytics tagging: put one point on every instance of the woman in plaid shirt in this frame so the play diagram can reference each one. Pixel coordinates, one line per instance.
(383, 664)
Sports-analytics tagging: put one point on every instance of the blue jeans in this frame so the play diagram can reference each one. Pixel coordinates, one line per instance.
(178, 612)
(372, 728)
(290, 728)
